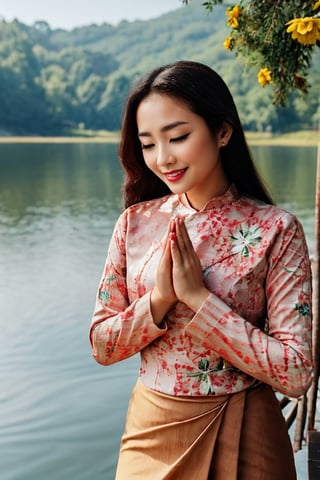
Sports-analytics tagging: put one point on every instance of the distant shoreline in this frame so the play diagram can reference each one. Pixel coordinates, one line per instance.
(13, 139)
(307, 138)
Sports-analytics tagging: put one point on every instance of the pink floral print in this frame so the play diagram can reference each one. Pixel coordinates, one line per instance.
(255, 324)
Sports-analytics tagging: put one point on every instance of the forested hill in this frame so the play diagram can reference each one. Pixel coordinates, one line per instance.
(53, 79)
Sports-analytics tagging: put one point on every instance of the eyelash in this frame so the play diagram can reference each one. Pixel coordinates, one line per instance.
(172, 140)
(146, 147)
(179, 139)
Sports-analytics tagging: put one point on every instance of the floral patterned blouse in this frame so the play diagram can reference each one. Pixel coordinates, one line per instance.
(255, 325)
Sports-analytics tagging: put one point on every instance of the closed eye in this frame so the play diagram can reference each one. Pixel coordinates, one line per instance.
(148, 146)
(179, 139)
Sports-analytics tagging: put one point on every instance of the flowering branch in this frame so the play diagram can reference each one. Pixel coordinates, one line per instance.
(277, 37)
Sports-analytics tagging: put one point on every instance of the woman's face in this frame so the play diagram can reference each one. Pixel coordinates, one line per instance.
(179, 148)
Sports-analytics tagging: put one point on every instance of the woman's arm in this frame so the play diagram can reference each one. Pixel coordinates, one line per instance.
(119, 329)
(280, 357)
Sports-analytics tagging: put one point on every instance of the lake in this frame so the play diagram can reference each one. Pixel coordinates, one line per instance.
(61, 414)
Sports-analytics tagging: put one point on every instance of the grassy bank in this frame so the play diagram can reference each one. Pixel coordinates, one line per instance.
(72, 136)
(302, 138)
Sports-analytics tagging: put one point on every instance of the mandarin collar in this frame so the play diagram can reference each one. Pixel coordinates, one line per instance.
(226, 198)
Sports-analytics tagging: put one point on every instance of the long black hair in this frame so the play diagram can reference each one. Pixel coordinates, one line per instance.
(207, 95)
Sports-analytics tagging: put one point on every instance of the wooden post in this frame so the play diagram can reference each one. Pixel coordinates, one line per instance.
(313, 391)
(313, 435)
(300, 425)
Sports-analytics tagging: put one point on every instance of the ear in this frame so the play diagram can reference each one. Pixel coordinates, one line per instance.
(224, 134)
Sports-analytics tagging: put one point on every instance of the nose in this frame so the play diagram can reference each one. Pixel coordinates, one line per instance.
(164, 156)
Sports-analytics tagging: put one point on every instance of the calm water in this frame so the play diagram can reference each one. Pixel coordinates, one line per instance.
(61, 414)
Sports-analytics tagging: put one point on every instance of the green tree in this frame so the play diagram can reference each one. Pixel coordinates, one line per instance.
(22, 100)
(278, 37)
(89, 95)
(112, 100)
(70, 77)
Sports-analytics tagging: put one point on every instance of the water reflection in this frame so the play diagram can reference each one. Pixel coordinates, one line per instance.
(290, 173)
(76, 177)
(81, 176)
(58, 205)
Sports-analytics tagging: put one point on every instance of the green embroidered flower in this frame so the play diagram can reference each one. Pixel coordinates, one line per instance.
(110, 278)
(104, 297)
(203, 375)
(303, 309)
(203, 364)
(245, 239)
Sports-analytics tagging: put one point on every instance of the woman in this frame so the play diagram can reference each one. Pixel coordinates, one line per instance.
(210, 282)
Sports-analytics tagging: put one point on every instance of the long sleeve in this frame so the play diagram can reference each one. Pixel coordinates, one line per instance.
(281, 354)
(120, 329)
(255, 323)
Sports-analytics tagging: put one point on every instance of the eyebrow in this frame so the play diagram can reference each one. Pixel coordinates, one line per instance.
(166, 128)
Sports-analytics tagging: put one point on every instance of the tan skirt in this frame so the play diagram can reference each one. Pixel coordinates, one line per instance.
(234, 437)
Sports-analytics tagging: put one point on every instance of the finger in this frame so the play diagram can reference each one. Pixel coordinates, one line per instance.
(185, 234)
(184, 241)
(169, 235)
(167, 249)
(172, 227)
(175, 249)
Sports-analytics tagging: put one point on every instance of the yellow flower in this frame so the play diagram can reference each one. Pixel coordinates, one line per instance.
(316, 5)
(306, 30)
(227, 43)
(233, 14)
(264, 76)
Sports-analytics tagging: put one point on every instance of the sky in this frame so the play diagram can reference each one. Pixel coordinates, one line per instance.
(68, 14)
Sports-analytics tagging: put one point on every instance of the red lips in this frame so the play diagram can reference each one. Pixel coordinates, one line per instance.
(175, 175)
